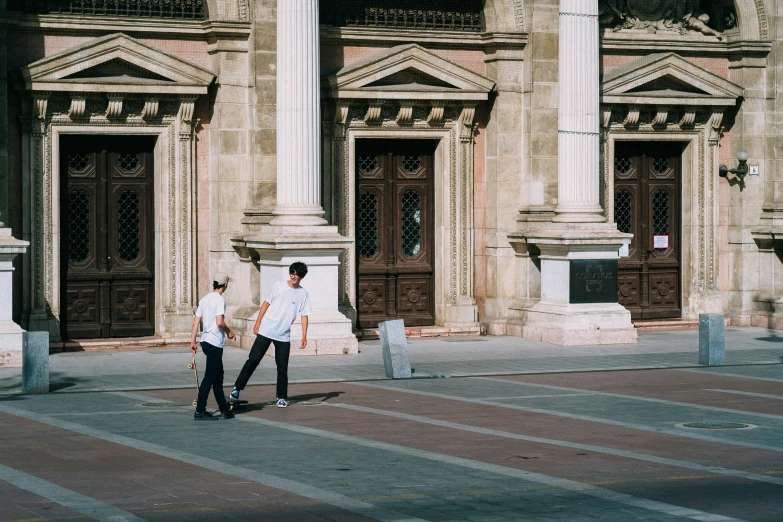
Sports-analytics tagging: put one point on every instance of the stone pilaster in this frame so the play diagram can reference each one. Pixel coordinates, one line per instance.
(298, 115)
(578, 118)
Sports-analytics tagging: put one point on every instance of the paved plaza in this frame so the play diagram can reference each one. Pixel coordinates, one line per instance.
(494, 429)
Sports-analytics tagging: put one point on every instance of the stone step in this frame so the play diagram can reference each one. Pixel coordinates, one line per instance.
(369, 334)
(665, 325)
(117, 344)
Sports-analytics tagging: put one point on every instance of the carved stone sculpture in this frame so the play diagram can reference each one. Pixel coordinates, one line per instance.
(656, 15)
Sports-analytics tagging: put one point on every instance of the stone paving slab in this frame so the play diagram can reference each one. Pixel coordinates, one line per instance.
(419, 449)
(167, 368)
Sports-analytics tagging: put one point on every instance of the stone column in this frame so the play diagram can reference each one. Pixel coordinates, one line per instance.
(298, 115)
(298, 231)
(11, 334)
(578, 123)
(578, 251)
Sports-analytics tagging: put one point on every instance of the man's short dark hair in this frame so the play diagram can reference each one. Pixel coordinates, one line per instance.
(298, 268)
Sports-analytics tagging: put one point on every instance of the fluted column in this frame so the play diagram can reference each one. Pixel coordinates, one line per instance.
(578, 122)
(298, 115)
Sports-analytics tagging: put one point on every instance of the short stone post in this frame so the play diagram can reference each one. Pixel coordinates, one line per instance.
(35, 362)
(712, 339)
(395, 349)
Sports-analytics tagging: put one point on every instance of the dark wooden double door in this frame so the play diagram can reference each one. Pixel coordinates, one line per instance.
(107, 243)
(647, 203)
(394, 231)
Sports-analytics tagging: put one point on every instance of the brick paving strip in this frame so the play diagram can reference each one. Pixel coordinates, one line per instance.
(70, 499)
(566, 444)
(573, 416)
(546, 480)
(353, 424)
(665, 387)
(349, 505)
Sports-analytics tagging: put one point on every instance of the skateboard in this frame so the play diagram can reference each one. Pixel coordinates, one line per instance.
(235, 403)
(192, 366)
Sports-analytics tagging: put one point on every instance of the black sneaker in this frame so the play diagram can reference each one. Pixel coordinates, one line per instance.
(204, 415)
(227, 415)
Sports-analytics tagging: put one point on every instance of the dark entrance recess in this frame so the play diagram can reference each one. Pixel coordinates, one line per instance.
(647, 203)
(394, 231)
(107, 243)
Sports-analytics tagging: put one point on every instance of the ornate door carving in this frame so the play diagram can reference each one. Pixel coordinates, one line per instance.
(394, 231)
(647, 204)
(107, 237)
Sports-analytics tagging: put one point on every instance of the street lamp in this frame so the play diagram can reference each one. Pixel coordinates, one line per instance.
(742, 168)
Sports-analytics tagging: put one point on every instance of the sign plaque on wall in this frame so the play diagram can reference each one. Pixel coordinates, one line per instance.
(661, 241)
(593, 281)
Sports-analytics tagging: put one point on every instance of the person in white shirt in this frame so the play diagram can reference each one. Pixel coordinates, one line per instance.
(211, 317)
(283, 303)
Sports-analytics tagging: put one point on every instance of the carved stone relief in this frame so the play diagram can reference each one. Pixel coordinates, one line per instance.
(681, 16)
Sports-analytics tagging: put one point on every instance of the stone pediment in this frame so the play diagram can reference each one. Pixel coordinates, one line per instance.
(116, 63)
(408, 72)
(667, 79)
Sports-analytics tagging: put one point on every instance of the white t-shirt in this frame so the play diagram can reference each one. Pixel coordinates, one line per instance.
(211, 305)
(285, 303)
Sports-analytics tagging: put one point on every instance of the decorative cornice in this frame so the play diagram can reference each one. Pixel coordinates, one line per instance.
(432, 39)
(661, 116)
(405, 115)
(40, 103)
(341, 113)
(186, 108)
(373, 114)
(114, 108)
(150, 110)
(78, 106)
(632, 119)
(715, 125)
(436, 115)
(688, 118)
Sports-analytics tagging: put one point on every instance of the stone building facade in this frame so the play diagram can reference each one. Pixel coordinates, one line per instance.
(428, 160)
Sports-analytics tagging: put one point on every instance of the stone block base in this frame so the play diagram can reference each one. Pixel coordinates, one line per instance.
(340, 346)
(578, 325)
(11, 343)
(10, 359)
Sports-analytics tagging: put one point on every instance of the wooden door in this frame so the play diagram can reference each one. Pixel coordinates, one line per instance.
(647, 203)
(107, 243)
(394, 231)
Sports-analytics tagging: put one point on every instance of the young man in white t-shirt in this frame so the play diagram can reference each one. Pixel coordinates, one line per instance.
(283, 303)
(211, 317)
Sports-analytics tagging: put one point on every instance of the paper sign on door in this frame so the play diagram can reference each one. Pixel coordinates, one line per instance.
(660, 241)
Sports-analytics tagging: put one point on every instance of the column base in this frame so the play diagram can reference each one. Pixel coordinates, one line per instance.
(11, 343)
(298, 216)
(573, 311)
(581, 215)
(274, 249)
(578, 324)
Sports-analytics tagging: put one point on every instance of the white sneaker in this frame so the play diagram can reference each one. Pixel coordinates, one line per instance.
(281, 403)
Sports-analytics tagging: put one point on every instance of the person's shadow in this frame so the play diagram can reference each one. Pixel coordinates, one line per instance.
(308, 399)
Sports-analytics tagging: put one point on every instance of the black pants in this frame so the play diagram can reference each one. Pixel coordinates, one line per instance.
(257, 352)
(213, 378)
